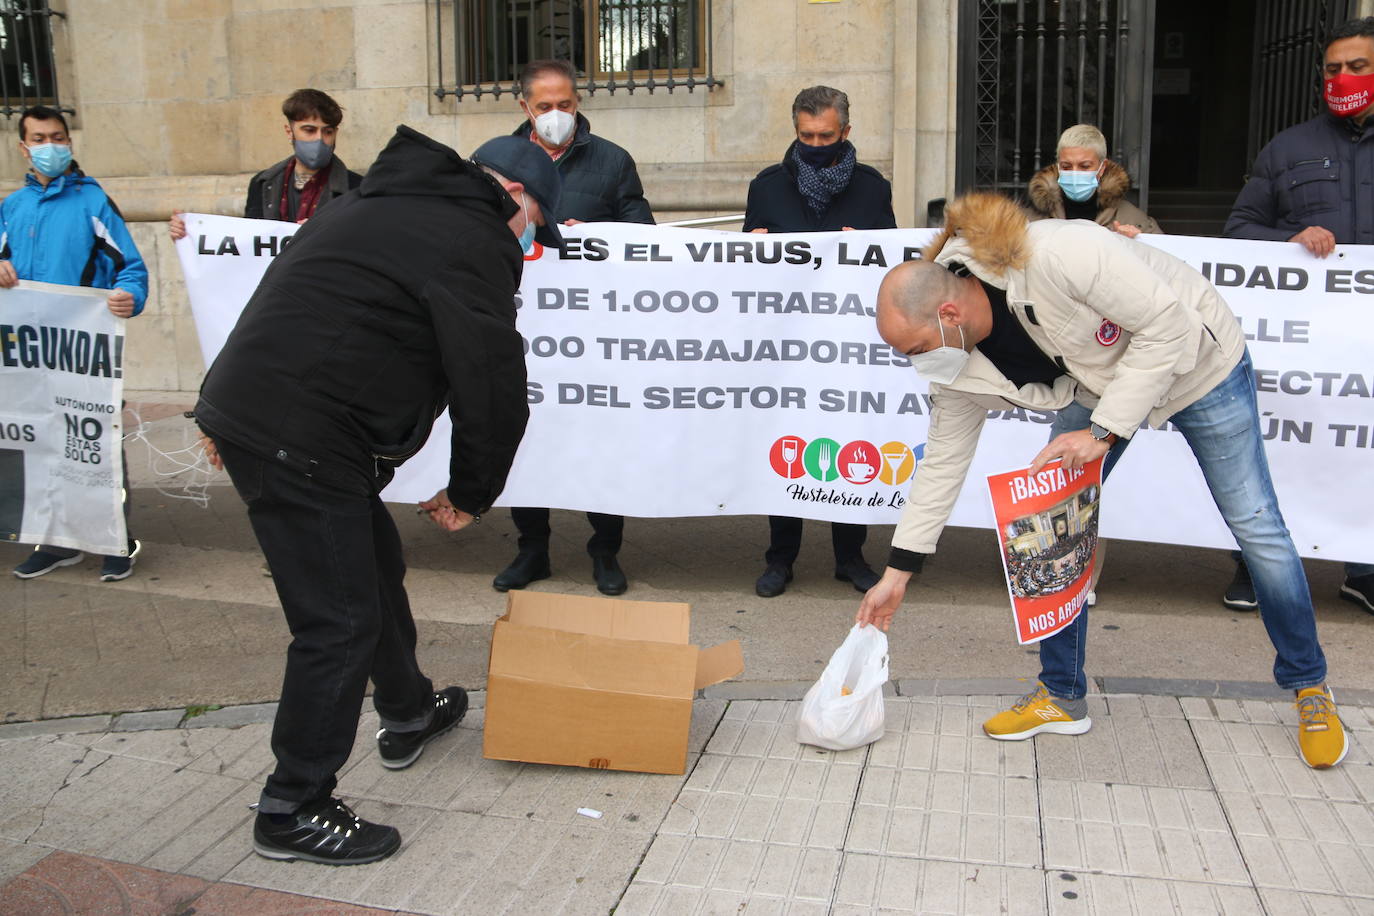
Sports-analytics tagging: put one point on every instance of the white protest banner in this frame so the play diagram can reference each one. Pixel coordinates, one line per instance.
(679, 372)
(223, 258)
(61, 418)
(1047, 526)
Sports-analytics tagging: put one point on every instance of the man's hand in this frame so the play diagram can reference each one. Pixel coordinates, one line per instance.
(8, 278)
(1075, 449)
(121, 303)
(1125, 229)
(1317, 240)
(176, 226)
(882, 600)
(444, 514)
(572, 222)
(762, 229)
(207, 445)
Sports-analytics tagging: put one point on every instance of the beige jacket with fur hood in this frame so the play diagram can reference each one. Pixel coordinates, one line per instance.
(1047, 198)
(1139, 334)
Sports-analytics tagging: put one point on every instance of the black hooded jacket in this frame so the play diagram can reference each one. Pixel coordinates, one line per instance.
(396, 299)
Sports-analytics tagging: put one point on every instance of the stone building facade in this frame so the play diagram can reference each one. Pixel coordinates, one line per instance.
(178, 103)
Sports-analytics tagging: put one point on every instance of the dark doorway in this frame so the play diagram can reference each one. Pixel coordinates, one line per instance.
(1228, 75)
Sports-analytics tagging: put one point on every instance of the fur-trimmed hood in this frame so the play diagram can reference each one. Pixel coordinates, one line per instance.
(988, 228)
(1047, 198)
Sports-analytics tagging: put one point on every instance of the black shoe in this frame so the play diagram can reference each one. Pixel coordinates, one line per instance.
(112, 569)
(1360, 590)
(858, 572)
(528, 566)
(400, 749)
(610, 578)
(1240, 594)
(326, 831)
(774, 581)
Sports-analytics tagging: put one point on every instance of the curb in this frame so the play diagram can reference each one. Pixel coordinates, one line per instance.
(263, 713)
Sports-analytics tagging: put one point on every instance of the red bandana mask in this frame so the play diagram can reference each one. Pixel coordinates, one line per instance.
(1348, 94)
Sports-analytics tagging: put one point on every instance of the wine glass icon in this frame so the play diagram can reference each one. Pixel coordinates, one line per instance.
(789, 455)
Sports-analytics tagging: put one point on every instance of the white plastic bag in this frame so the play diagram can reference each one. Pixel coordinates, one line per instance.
(834, 719)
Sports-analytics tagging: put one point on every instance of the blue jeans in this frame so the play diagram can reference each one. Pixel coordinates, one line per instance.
(1222, 429)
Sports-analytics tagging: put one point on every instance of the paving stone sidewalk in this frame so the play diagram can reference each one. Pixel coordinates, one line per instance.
(1168, 805)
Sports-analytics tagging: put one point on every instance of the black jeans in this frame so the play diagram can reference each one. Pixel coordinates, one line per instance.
(785, 536)
(337, 566)
(607, 531)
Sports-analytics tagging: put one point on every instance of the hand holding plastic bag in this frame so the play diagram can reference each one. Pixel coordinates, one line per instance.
(844, 709)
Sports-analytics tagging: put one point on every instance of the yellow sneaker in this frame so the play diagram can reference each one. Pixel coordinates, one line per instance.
(1320, 732)
(1035, 713)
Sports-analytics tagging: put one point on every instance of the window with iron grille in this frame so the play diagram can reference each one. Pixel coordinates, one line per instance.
(613, 44)
(28, 71)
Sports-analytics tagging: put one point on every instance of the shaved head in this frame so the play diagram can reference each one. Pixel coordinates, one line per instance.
(915, 289)
(920, 301)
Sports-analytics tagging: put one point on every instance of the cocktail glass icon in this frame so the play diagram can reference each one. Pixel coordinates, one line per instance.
(895, 461)
(790, 448)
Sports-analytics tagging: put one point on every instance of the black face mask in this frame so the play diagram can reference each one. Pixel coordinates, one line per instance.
(818, 157)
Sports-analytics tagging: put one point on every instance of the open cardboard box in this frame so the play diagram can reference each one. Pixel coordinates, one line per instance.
(597, 682)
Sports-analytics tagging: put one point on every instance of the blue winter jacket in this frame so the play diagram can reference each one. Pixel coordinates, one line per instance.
(70, 233)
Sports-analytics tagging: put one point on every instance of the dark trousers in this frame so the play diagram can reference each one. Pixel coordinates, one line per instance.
(533, 524)
(785, 536)
(337, 565)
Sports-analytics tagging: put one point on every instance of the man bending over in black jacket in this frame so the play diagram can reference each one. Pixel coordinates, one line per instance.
(395, 301)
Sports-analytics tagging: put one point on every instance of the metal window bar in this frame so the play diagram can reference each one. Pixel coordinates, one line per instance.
(1290, 40)
(28, 67)
(1029, 69)
(613, 44)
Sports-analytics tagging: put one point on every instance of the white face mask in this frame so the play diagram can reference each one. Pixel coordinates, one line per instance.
(943, 364)
(555, 126)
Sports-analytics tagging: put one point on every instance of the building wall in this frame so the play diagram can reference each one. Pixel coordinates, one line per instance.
(178, 104)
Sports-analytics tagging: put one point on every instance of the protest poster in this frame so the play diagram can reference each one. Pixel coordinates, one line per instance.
(61, 418)
(1047, 529)
(679, 372)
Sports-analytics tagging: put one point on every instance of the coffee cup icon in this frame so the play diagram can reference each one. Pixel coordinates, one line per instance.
(858, 470)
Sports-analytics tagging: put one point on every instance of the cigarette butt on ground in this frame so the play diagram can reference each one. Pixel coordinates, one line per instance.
(589, 812)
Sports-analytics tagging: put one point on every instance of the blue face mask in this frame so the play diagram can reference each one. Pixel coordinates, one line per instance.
(1078, 186)
(527, 234)
(51, 159)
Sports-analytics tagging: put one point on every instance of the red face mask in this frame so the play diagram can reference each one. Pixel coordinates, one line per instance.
(1348, 94)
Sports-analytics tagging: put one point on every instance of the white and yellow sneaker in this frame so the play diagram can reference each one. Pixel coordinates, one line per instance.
(1321, 735)
(1034, 714)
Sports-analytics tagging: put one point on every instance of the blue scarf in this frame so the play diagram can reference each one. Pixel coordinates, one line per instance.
(818, 186)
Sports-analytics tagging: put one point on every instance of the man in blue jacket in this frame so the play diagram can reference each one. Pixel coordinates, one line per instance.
(1310, 185)
(61, 228)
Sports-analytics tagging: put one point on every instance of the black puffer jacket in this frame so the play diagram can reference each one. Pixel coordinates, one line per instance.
(1317, 173)
(600, 181)
(776, 204)
(397, 298)
(264, 190)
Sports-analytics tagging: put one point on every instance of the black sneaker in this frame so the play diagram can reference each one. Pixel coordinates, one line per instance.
(40, 563)
(1240, 594)
(400, 749)
(326, 831)
(1359, 589)
(113, 569)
